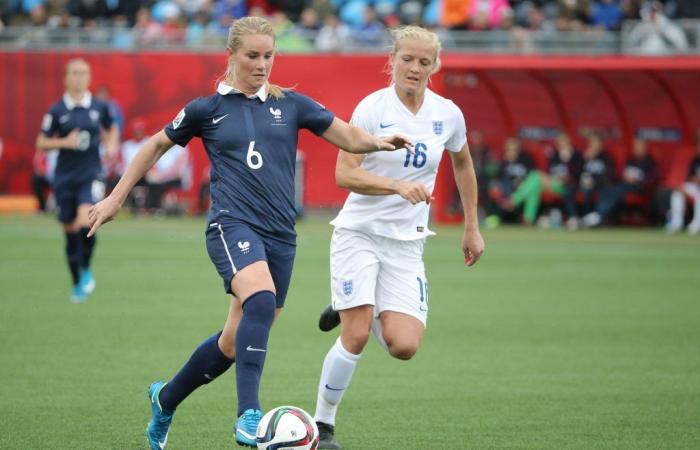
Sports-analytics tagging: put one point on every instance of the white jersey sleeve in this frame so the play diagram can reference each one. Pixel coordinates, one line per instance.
(362, 116)
(459, 137)
(438, 125)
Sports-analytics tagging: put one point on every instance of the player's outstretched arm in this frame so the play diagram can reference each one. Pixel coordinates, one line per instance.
(465, 178)
(350, 175)
(107, 209)
(356, 140)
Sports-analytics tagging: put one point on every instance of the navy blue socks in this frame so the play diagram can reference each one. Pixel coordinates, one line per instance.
(88, 246)
(251, 347)
(206, 363)
(74, 254)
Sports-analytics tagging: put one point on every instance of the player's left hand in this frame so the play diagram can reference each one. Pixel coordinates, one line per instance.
(395, 142)
(101, 213)
(472, 246)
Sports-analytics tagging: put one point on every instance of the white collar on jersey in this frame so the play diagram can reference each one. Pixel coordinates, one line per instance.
(85, 102)
(225, 89)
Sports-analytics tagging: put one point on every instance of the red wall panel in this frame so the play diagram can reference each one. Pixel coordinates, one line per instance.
(498, 94)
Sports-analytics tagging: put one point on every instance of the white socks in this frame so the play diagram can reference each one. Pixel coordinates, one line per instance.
(336, 375)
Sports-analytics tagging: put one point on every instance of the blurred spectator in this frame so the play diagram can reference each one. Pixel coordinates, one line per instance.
(190, 8)
(513, 169)
(129, 9)
(129, 149)
(288, 37)
(487, 13)
(171, 171)
(454, 14)
(573, 15)
(690, 188)
(102, 93)
(371, 32)
(44, 164)
(607, 14)
(597, 175)
(564, 168)
(309, 20)
(639, 175)
(201, 30)
(146, 30)
(333, 36)
(173, 28)
(229, 8)
(486, 168)
(291, 8)
(88, 9)
(656, 34)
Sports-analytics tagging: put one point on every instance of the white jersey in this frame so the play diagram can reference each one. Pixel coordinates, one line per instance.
(439, 125)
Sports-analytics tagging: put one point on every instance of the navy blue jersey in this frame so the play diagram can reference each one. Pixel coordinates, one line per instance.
(566, 167)
(599, 170)
(251, 144)
(90, 116)
(516, 170)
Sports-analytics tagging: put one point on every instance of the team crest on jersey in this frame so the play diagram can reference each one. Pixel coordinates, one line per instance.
(244, 246)
(437, 127)
(179, 118)
(94, 115)
(276, 116)
(347, 287)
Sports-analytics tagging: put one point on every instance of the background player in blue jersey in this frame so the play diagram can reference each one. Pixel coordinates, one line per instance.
(74, 125)
(249, 129)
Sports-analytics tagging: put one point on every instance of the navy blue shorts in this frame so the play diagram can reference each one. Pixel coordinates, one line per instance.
(70, 196)
(234, 245)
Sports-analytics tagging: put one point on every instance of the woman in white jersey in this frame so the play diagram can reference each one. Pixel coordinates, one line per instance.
(377, 274)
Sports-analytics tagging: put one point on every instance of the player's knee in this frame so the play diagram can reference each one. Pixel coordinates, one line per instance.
(354, 340)
(402, 349)
(227, 346)
(260, 306)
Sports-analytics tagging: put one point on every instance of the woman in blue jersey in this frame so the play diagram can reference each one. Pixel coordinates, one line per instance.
(378, 279)
(76, 125)
(249, 129)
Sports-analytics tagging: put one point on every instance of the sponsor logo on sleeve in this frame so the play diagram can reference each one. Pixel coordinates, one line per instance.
(178, 120)
(46, 122)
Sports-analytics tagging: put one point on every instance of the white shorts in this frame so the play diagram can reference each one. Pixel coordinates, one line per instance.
(389, 274)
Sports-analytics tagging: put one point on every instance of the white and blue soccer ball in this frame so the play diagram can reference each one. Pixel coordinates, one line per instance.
(287, 428)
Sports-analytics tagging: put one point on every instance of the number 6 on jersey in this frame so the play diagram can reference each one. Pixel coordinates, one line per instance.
(253, 158)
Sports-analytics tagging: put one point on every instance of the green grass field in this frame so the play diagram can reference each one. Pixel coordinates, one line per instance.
(556, 340)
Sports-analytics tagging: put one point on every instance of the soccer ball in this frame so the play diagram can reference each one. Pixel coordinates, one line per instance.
(287, 428)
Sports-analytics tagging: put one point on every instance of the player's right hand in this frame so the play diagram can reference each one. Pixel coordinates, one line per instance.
(101, 213)
(413, 192)
(72, 139)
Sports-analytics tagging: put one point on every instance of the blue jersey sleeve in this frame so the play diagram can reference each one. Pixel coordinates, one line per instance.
(107, 116)
(49, 124)
(312, 115)
(186, 125)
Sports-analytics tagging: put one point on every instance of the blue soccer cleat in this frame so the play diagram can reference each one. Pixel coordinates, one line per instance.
(87, 281)
(78, 295)
(157, 431)
(246, 426)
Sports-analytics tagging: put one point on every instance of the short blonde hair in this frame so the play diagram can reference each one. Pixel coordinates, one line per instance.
(246, 26)
(418, 34)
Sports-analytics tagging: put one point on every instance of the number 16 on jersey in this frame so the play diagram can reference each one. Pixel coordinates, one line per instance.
(420, 157)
